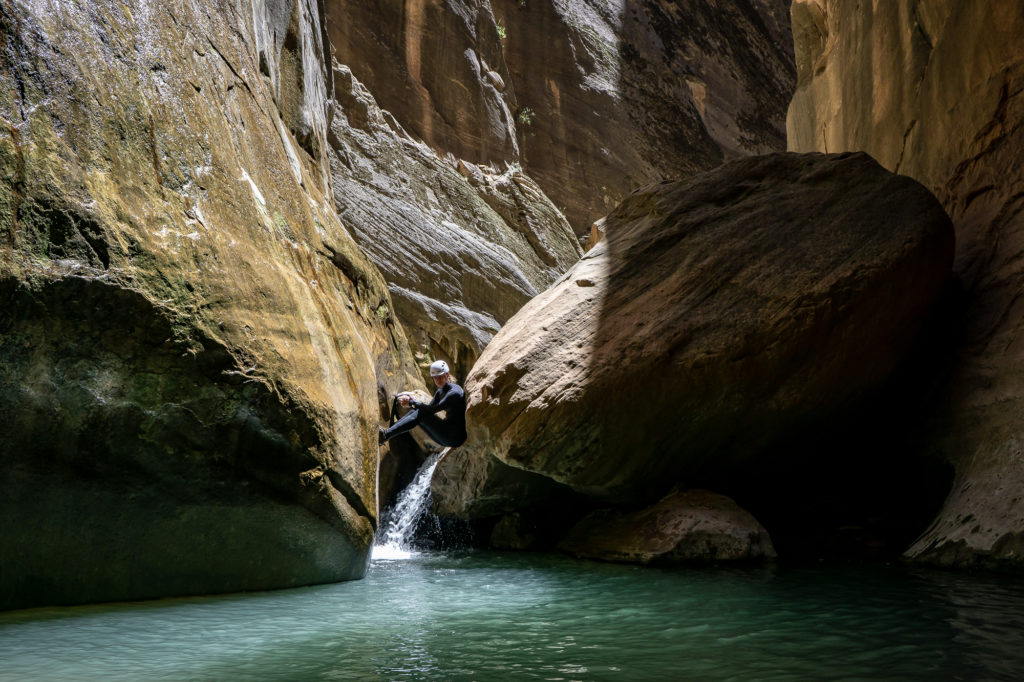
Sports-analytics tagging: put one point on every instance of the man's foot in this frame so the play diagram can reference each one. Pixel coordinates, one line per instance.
(382, 436)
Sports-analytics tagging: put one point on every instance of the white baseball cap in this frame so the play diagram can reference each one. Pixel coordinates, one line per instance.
(438, 368)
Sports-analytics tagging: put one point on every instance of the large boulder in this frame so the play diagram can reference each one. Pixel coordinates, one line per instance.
(717, 314)
(932, 90)
(686, 526)
(461, 246)
(192, 348)
(466, 485)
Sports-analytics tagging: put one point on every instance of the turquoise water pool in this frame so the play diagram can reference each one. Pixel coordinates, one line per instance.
(492, 616)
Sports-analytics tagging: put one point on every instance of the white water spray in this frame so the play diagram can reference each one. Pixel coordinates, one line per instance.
(394, 541)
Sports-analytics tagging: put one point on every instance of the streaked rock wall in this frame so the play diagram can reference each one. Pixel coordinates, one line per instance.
(195, 351)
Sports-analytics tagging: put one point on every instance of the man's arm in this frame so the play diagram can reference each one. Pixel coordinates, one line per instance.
(428, 408)
(437, 404)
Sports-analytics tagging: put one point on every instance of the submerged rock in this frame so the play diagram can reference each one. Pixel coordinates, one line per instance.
(683, 527)
(933, 91)
(716, 315)
(191, 346)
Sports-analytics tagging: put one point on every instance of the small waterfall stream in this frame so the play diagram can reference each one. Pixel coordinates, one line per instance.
(394, 538)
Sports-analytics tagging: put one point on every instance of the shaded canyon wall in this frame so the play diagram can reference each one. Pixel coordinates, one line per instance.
(615, 95)
(933, 91)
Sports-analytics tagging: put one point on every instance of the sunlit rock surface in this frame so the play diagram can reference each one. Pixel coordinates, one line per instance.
(933, 91)
(615, 94)
(462, 246)
(715, 315)
(686, 526)
(194, 353)
(436, 66)
(594, 97)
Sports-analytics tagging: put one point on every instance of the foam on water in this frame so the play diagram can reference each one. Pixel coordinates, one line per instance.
(395, 538)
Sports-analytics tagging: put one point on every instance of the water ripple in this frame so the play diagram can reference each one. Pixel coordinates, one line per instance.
(497, 617)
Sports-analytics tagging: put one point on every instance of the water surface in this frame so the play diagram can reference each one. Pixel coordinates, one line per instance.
(491, 616)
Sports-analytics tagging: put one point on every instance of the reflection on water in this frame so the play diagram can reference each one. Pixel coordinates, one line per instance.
(504, 616)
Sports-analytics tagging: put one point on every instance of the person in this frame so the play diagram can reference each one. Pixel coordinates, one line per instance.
(449, 397)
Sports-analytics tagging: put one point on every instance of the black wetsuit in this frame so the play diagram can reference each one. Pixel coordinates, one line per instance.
(450, 431)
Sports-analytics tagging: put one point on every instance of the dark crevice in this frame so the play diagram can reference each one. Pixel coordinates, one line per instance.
(349, 493)
(70, 235)
(241, 80)
(349, 268)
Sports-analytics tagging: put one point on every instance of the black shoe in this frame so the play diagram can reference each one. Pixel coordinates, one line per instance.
(382, 436)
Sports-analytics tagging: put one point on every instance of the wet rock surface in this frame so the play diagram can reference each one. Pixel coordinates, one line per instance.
(192, 353)
(715, 316)
(686, 526)
(467, 485)
(403, 455)
(933, 91)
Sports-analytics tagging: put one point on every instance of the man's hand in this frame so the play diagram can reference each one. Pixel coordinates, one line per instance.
(404, 399)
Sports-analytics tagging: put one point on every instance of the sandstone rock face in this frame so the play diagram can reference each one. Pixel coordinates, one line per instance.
(685, 526)
(715, 315)
(437, 66)
(469, 485)
(933, 91)
(594, 97)
(191, 345)
(461, 247)
(614, 95)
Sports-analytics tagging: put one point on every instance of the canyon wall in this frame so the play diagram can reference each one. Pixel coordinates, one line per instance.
(933, 91)
(427, 91)
(462, 246)
(594, 98)
(611, 96)
(195, 351)
(437, 66)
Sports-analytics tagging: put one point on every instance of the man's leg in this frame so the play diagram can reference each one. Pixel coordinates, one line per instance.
(437, 429)
(403, 425)
(434, 427)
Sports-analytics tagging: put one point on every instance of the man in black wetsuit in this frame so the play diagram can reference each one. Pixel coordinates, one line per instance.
(450, 431)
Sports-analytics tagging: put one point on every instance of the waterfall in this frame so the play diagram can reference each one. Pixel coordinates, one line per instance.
(394, 538)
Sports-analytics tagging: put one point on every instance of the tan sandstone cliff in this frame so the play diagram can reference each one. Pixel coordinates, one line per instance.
(612, 95)
(437, 66)
(462, 246)
(932, 89)
(195, 352)
(618, 96)
(594, 98)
